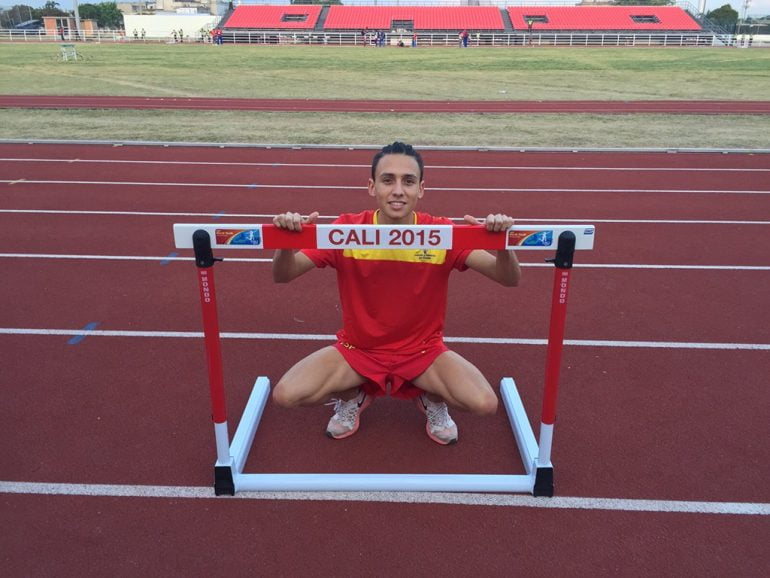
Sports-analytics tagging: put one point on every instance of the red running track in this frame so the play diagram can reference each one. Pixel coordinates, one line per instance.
(664, 423)
(397, 106)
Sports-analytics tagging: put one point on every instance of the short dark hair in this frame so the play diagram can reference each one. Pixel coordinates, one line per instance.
(398, 148)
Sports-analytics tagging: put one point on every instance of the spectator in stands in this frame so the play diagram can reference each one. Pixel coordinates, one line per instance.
(464, 36)
(393, 306)
(173, 32)
(144, 34)
(61, 32)
(181, 35)
(414, 40)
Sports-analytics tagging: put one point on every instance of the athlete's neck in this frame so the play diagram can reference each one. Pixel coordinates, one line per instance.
(382, 219)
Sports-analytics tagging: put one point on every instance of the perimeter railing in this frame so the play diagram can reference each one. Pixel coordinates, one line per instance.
(398, 39)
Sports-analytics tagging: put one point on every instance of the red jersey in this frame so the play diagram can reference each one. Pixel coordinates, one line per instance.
(393, 300)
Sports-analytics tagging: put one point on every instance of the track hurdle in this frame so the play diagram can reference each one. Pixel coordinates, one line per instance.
(229, 476)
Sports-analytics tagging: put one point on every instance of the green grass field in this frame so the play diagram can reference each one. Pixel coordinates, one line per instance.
(391, 73)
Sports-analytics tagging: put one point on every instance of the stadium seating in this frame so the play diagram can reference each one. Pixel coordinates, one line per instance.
(659, 18)
(424, 18)
(298, 17)
(488, 19)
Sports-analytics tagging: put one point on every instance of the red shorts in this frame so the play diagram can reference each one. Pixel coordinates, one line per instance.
(396, 370)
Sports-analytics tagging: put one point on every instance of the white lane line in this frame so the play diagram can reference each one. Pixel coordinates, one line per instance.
(358, 188)
(464, 499)
(331, 337)
(520, 220)
(269, 260)
(367, 166)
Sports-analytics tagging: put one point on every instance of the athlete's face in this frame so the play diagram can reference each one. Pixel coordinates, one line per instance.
(396, 187)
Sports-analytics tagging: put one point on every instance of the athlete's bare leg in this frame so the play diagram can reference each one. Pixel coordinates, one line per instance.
(316, 379)
(458, 382)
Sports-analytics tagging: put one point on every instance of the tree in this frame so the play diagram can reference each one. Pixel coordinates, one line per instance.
(643, 2)
(50, 8)
(725, 16)
(16, 15)
(106, 14)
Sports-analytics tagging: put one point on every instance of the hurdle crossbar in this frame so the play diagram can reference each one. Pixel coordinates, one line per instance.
(229, 476)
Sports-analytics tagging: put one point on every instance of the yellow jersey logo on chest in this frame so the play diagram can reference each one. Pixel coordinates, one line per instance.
(430, 256)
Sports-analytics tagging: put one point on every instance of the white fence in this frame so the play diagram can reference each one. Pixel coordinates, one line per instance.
(405, 39)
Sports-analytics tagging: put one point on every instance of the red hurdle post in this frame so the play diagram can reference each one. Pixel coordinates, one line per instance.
(565, 252)
(204, 260)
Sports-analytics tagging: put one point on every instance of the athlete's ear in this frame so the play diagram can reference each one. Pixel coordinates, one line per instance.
(371, 186)
(422, 190)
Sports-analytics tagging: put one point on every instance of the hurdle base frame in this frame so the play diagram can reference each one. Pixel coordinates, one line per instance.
(230, 477)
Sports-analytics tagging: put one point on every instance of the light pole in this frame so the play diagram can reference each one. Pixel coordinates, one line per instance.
(530, 22)
(77, 19)
(746, 5)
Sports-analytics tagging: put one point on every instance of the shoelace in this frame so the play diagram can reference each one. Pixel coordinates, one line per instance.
(438, 415)
(345, 411)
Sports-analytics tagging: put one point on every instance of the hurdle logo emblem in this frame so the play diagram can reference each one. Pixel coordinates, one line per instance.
(530, 238)
(250, 237)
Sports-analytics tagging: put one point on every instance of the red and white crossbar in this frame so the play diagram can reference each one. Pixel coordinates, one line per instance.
(519, 237)
(229, 476)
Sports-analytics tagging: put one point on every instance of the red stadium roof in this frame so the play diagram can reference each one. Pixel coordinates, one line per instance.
(648, 18)
(603, 18)
(424, 18)
(274, 17)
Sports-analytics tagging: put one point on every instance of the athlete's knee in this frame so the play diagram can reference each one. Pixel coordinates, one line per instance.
(284, 395)
(485, 403)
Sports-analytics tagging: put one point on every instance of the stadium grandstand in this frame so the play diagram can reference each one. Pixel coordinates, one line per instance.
(626, 18)
(487, 25)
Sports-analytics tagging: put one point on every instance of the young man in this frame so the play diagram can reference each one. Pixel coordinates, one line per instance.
(393, 304)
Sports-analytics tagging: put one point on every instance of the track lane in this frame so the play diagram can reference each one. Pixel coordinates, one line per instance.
(393, 106)
(218, 201)
(617, 243)
(76, 533)
(147, 422)
(354, 175)
(362, 156)
(677, 306)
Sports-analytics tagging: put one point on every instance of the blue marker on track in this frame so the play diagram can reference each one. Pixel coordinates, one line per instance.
(78, 338)
(168, 258)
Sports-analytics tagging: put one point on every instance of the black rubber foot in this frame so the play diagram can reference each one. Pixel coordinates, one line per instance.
(544, 482)
(223, 481)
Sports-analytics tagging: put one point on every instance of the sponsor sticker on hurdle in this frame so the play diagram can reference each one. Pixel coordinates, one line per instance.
(383, 237)
(244, 237)
(530, 238)
(547, 237)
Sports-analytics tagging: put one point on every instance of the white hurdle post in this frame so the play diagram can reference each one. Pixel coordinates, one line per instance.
(229, 476)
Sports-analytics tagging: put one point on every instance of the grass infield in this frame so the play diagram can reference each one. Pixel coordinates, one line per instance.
(522, 73)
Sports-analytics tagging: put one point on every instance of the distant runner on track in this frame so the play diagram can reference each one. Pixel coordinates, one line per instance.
(394, 305)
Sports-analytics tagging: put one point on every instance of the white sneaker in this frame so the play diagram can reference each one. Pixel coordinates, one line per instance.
(440, 427)
(346, 418)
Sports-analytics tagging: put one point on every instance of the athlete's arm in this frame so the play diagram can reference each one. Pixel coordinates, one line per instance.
(287, 263)
(502, 267)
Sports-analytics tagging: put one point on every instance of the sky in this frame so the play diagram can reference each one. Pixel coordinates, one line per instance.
(757, 7)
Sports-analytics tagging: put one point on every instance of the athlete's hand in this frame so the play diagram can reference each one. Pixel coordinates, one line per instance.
(294, 221)
(494, 223)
